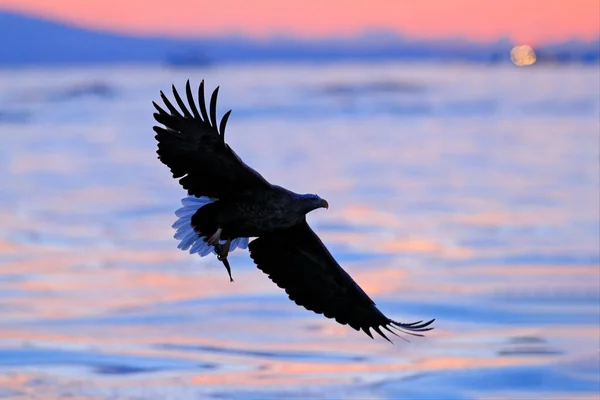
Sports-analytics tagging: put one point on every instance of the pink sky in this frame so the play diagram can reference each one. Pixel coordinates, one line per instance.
(525, 21)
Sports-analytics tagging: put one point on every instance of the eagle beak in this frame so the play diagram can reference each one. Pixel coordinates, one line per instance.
(324, 204)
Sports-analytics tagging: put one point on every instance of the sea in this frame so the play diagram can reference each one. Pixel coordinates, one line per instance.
(468, 193)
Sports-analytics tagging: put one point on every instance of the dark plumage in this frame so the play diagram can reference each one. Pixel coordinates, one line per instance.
(230, 202)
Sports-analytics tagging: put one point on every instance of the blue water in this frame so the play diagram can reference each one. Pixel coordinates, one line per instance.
(463, 193)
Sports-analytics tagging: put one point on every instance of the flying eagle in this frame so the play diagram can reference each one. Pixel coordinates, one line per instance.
(228, 202)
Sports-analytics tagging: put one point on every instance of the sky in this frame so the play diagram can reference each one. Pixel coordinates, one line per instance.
(523, 21)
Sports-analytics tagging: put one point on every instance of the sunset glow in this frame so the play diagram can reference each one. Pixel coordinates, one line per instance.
(524, 21)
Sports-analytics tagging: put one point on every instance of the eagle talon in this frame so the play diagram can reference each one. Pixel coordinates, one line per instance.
(223, 249)
(215, 238)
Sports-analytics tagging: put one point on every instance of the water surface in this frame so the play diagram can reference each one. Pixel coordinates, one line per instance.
(465, 193)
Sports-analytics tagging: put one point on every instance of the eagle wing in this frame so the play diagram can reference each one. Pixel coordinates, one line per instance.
(297, 261)
(193, 146)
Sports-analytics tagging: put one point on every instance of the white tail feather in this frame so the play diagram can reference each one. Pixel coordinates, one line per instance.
(186, 234)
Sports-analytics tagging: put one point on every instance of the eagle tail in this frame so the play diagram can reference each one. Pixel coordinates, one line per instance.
(188, 237)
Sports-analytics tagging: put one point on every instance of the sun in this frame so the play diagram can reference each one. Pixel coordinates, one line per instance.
(522, 55)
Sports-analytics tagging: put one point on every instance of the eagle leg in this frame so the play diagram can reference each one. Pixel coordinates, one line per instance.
(214, 239)
(223, 249)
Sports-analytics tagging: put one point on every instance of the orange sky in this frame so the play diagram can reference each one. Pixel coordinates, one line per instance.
(527, 21)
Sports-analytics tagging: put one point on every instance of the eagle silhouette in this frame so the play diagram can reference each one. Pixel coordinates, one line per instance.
(228, 202)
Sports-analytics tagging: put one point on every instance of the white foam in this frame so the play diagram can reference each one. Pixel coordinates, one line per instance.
(187, 236)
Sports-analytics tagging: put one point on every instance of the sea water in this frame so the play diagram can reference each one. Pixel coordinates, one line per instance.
(465, 193)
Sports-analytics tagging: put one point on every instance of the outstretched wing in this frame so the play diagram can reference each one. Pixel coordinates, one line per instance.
(194, 148)
(297, 261)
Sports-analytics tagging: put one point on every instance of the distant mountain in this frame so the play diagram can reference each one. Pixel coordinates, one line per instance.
(33, 41)
(28, 40)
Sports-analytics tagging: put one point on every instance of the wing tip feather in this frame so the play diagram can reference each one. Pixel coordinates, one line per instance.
(202, 101)
(376, 329)
(413, 328)
(190, 98)
(213, 108)
(224, 124)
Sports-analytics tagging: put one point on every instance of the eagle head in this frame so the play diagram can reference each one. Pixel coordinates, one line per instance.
(312, 202)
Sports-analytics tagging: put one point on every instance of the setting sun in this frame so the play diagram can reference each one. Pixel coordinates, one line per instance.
(522, 55)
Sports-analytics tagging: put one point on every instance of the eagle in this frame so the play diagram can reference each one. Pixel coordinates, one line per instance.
(228, 203)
